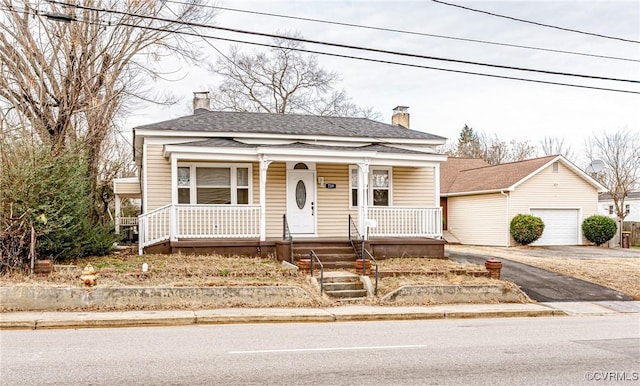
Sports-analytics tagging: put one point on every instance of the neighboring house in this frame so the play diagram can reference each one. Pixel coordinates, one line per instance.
(237, 182)
(479, 200)
(631, 206)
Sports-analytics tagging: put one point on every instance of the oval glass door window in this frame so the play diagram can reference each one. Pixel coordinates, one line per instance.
(301, 194)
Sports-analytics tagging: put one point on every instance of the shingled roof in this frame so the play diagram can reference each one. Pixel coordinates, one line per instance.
(460, 175)
(287, 124)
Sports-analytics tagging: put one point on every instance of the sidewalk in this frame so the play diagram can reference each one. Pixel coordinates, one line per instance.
(49, 320)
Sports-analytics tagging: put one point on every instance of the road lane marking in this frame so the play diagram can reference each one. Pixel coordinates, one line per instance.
(328, 349)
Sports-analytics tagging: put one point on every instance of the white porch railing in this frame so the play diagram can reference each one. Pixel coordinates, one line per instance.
(154, 227)
(396, 221)
(217, 221)
(127, 221)
(172, 222)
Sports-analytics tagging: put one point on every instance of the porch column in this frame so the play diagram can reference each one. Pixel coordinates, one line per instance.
(436, 185)
(363, 189)
(173, 214)
(117, 199)
(264, 165)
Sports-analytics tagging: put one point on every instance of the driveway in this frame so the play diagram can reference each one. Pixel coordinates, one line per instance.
(545, 286)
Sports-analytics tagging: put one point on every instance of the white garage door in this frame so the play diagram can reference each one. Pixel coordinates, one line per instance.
(560, 226)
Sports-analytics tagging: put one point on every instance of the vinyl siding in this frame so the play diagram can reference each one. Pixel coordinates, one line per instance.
(128, 188)
(478, 219)
(276, 197)
(413, 187)
(562, 189)
(158, 175)
(333, 204)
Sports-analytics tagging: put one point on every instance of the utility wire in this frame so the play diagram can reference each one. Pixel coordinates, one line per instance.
(346, 46)
(370, 59)
(536, 23)
(406, 32)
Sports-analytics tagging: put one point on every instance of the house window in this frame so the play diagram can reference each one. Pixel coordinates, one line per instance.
(610, 209)
(627, 209)
(213, 185)
(184, 185)
(555, 167)
(379, 186)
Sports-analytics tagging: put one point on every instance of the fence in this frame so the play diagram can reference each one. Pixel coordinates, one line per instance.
(634, 228)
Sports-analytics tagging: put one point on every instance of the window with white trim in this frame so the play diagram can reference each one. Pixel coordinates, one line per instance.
(219, 184)
(379, 186)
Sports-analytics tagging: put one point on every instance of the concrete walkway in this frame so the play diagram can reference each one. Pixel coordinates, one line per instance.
(59, 320)
(49, 320)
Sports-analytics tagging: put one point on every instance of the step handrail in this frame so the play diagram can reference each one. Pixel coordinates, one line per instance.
(286, 235)
(354, 234)
(375, 262)
(364, 254)
(313, 257)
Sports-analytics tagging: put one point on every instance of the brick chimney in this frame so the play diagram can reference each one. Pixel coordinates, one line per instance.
(400, 116)
(201, 102)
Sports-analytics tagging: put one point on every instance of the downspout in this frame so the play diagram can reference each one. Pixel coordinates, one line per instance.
(508, 238)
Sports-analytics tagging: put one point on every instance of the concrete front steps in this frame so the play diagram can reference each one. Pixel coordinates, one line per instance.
(343, 286)
(334, 254)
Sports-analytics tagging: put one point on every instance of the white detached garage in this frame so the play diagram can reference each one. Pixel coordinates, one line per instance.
(479, 200)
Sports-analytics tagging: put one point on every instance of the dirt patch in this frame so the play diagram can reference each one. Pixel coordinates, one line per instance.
(619, 273)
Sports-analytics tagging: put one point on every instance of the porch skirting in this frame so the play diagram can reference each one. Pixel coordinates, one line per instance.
(380, 248)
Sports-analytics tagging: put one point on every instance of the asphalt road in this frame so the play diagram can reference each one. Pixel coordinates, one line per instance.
(545, 286)
(568, 350)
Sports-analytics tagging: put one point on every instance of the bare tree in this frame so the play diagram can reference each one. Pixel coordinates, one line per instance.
(620, 153)
(555, 146)
(281, 80)
(489, 147)
(69, 81)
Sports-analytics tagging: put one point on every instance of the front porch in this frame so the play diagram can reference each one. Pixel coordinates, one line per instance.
(239, 230)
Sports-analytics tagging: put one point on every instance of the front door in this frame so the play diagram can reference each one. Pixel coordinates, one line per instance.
(301, 206)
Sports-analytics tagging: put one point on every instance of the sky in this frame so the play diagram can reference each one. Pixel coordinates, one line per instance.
(443, 102)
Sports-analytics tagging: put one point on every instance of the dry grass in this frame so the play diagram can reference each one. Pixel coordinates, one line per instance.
(168, 270)
(125, 269)
(209, 270)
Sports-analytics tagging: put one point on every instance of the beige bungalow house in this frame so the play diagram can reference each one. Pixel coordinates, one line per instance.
(479, 200)
(259, 183)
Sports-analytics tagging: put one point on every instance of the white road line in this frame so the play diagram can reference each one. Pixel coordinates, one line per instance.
(328, 349)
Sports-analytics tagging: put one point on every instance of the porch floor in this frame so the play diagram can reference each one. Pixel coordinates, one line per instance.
(380, 248)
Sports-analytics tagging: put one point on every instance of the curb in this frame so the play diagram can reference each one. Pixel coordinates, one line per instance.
(62, 320)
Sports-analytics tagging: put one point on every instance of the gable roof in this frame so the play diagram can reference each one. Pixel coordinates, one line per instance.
(286, 124)
(462, 178)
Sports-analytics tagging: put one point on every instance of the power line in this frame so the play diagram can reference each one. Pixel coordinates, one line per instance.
(536, 23)
(406, 32)
(373, 60)
(346, 46)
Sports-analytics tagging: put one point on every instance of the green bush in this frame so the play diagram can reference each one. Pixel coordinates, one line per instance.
(49, 192)
(526, 228)
(599, 229)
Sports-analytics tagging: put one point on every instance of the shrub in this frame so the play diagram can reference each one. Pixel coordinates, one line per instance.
(49, 192)
(526, 228)
(599, 229)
